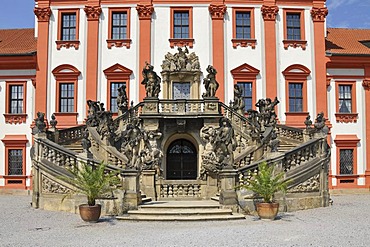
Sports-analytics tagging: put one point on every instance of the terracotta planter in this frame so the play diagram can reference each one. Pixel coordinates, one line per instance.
(90, 213)
(267, 210)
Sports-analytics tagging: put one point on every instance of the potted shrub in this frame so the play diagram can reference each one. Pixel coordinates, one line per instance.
(265, 184)
(92, 181)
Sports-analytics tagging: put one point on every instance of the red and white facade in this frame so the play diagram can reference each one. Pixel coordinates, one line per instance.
(282, 53)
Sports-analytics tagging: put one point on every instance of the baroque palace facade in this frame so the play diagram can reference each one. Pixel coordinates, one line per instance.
(86, 49)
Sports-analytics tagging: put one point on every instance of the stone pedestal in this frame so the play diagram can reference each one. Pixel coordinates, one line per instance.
(211, 105)
(148, 183)
(228, 195)
(151, 106)
(131, 186)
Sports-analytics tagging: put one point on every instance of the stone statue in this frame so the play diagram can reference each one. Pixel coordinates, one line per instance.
(181, 58)
(308, 122)
(40, 126)
(210, 82)
(238, 104)
(151, 81)
(92, 114)
(53, 122)
(130, 146)
(85, 142)
(122, 100)
(180, 61)
(151, 155)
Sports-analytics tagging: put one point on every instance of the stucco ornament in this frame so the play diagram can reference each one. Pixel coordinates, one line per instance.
(210, 83)
(181, 61)
(151, 81)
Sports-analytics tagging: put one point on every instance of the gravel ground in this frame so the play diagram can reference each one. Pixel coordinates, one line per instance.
(346, 223)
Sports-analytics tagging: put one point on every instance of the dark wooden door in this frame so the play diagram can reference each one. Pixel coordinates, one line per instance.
(181, 160)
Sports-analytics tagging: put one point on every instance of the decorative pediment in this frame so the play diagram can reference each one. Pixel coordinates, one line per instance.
(66, 71)
(117, 71)
(296, 71)
(245, 71)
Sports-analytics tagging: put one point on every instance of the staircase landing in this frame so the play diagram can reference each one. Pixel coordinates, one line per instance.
(181, 211)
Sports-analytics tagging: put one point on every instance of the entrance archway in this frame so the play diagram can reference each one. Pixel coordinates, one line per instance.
(181, 160)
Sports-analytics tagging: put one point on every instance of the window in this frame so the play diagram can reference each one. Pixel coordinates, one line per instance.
(15, 161)
(295, 97)
(346, 161)
(346, 102)
(245, 77)
(119, 28)
(345, 172)
(247, 94)
(66, 82)
(243, 27)
(15, 103)
(68, 29)
(117, 75)
(114, 94)
(181, 27)
(293, 26)
(296, 94)
(66, 97)
(294, 29)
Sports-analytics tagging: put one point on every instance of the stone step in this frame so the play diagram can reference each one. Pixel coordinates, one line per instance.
(181, 217)
(180, 211)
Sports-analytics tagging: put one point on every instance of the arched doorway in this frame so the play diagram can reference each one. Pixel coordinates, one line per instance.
(181, 160)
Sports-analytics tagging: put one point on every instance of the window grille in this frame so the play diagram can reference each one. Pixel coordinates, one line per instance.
(15, 162)
(346, 161)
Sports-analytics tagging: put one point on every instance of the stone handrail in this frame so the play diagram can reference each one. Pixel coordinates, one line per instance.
(237, 120)
(134, 111)
(105, 152)
(290, 133)
(306, 153)
(68, 135)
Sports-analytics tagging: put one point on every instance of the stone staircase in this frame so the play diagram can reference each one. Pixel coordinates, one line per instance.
(181, 211)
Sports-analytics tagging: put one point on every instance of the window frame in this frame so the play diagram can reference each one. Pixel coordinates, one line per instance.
(15, 118)
(181, 42)
(296, 73)
(244, 42)
(246, 73)
(15, 142)
(119, 42)
(253, 93)
(117, 73)
(346, 117)
(66, 73)
(292, 42)
(68, 43)
(109, 96)
(60, 98)
(295, 97)
(346, 142)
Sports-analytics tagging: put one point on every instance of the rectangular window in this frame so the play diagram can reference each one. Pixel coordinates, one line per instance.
(247, 94)
(68, 28)
(181, 24)
(66, 97)
(114, 94)
(243, 25)
(295, 97)
(346, 161)
(119, 25)
(15, 161)
(345, 98)
(16, 97)
(293, 26)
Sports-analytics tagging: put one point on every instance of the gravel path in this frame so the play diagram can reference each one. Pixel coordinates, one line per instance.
(346, 223)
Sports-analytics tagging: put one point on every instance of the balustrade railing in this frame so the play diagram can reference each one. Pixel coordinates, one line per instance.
(181, 106)
(290, 133)
(175, 189)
